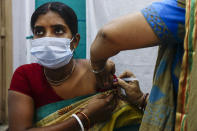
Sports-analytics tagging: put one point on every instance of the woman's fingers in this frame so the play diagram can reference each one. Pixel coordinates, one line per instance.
(123, 84)
(126, 74)
(105, 78)
(108, 77)
(111, 66)
(111, 103)
(108, 96)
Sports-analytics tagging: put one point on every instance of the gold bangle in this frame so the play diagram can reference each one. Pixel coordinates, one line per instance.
(83, 114)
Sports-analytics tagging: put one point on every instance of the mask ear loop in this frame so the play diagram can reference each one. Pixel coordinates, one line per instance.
(72, 41)
(73, 51)
(73, 44)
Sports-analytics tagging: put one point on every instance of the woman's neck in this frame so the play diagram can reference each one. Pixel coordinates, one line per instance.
(57, 76)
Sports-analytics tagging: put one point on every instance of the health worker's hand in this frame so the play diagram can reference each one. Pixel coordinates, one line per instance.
(133, 93)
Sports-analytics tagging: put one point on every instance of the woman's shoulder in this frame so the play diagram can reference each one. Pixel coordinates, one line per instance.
(29, 71)
(29, 67)
(83, 62)
(24, 77)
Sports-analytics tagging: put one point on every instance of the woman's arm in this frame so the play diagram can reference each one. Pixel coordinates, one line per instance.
(125, 33)
(21, 112)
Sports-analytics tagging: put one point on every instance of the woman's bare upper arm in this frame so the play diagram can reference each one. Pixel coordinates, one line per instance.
(131, 31)
(20, 110)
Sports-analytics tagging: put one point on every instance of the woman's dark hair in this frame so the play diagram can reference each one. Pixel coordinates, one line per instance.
(62, 9)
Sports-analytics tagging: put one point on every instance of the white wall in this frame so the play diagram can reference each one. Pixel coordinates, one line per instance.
(141, 61)
(22, 10)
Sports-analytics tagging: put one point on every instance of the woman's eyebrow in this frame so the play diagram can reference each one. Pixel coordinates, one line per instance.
(59, 26)
(38, 27)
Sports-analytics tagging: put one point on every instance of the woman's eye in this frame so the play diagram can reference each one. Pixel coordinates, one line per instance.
(59, 31)
(39, 32)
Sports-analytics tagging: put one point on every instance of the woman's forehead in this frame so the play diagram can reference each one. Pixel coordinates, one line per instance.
(50, 18)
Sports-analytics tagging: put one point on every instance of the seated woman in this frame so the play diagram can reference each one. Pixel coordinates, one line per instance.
(59, 92)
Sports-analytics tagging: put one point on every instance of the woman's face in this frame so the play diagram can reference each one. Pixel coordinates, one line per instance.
(51, 25)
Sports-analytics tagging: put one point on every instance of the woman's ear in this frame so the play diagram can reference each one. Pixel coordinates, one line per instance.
(76, 41)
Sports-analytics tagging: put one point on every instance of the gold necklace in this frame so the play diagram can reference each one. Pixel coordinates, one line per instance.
(59, 82)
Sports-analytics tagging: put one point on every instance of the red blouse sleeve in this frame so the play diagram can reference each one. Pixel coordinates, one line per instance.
(20, 82)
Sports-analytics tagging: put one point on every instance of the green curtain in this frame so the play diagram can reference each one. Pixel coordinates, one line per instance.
(79, 6)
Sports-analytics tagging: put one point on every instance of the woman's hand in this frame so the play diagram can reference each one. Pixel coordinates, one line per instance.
(133, 93)
(104, 78)
(100, 107)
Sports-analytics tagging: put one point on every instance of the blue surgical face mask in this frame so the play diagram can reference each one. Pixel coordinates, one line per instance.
(52, 52)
